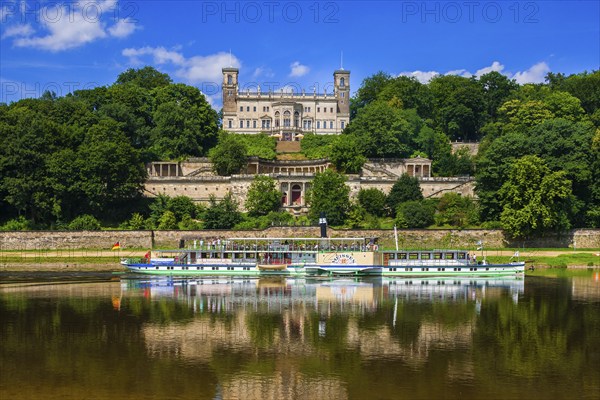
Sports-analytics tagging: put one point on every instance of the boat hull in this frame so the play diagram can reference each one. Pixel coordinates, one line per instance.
(320, 270)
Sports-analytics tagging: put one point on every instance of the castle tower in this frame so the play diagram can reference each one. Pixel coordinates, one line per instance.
(341, 81)
(230, 89)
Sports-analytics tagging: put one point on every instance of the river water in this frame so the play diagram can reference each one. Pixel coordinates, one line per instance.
(117, 337)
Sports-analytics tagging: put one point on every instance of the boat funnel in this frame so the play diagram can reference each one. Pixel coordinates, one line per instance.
(323, 225)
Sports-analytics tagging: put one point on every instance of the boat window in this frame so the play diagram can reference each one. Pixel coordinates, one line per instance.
(226, 255)
(392, 256)
(425, 256)
(402, 256)
(205, 255)
(449, 256)
(462, 256)
(413, 256)
(437, 256)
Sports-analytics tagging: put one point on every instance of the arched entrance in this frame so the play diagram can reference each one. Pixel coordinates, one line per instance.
(296, 195)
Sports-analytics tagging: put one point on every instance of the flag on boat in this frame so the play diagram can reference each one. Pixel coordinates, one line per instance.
(479, 245)
(116, 246)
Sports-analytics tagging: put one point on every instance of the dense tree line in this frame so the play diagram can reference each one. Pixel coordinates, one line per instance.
(84, 154)
(68, 162)
(557, 122)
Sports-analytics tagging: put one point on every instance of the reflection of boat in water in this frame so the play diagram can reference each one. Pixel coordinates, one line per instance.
(287, 291)
(312, 257)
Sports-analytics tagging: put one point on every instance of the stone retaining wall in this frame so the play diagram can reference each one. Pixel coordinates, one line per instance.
(436, 238)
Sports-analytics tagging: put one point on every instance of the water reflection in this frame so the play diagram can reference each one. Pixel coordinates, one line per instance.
(301, 338)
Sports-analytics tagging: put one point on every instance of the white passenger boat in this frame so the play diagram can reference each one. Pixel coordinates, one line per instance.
(312, 257)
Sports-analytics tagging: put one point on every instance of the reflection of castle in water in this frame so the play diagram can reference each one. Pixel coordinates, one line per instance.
(309, 319)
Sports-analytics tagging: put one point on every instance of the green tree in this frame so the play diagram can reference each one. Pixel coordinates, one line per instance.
(415, 214)
(85, 223)
(222, 214)
(406, 188)
(167, 221)
(329, 194)
(410, 92)
(372, 200)
(383, 130)
(136, 222)
(259, 145)
(584, 86)
(182, 206)
(110, 171)
(458, 106)
(497, 88)
(534, 199)
(185, 124)
(146, 77)
(263, 196)
(315, 146)
(456, 210)
(229, 156)
(368, 92)
(346, 155)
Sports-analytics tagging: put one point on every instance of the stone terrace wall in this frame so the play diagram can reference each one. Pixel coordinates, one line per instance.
(436, 238)
(37, 240)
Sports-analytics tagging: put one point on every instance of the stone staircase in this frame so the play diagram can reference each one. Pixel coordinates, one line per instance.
(288, 147)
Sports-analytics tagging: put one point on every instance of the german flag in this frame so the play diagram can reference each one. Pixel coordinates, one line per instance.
(116, 246)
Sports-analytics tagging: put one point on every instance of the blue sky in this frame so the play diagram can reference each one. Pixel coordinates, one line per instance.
(61, 46)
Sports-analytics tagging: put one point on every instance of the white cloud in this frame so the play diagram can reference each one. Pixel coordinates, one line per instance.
(496, 66)
(74, 25)
(535, 74)
(421, 76)
(298, 69)
(193, 70)
(207, 68)
(123, 28)
(18, 30)
(263, 71)
(160, 55)
(460, 72)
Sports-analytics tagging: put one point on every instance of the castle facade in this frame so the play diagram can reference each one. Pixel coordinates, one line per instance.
(285, 115)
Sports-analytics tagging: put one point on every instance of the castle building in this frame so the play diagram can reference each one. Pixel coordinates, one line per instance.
(285, 115)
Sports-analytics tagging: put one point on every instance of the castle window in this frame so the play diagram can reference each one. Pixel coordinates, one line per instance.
(230, 124)
(241, 108)
(331, 109)
(330, 124)
(229, 93)
(248, 108)
(318, 109)
(318, 124)
(254, 108)
(241, 124)
(248, 124)
(343, 94)
(343, 124)
(254, 124)
(229, 79)
(342, 82)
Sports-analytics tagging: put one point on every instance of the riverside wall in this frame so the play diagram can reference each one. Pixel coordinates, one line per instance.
(430, 238)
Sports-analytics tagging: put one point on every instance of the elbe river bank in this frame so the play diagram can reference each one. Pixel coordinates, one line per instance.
(91, 250)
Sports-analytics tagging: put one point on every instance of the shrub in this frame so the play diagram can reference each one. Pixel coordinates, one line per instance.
(84, 223)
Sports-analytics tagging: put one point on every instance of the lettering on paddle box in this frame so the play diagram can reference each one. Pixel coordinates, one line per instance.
(343, 259)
